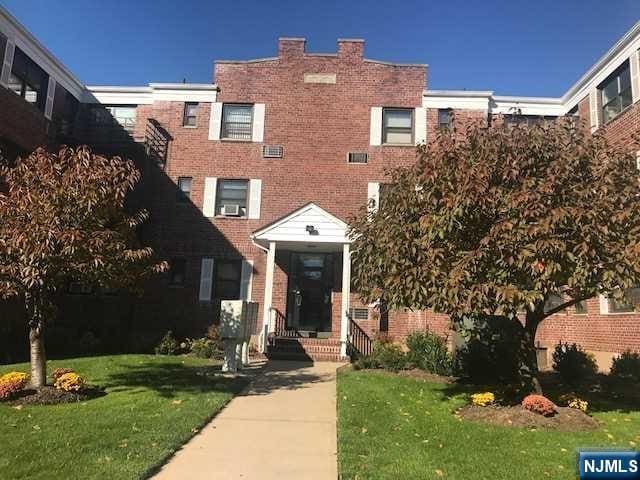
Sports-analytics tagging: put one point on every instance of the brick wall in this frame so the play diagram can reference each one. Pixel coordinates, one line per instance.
(22, 125)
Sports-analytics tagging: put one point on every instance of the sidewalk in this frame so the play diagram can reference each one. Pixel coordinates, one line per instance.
(282, 427)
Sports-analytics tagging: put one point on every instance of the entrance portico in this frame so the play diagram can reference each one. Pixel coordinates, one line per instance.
(317, 243)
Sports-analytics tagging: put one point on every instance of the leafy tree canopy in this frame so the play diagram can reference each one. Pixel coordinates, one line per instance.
(503, 220)
(64, 219)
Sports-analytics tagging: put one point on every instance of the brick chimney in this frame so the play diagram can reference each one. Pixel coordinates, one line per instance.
(350, 48)
(291, 47)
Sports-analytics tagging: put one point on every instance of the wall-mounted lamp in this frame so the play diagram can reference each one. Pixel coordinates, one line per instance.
(311, 230)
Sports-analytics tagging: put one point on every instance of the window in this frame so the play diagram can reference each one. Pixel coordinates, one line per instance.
(236, 121)
(177, 271)
(227, 284)
(232, 192)
(124, 116)
(620, 306)
(445, 118)
(581, 308)
(190, 114)
(28, 80)
(184, 189)
(553, 301)
(616, 93)
(397, 126)
(359, 313)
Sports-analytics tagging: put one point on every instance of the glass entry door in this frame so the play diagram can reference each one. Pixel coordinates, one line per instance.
(309, 292)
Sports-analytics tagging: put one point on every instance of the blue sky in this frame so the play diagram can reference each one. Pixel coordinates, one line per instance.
(517, 47)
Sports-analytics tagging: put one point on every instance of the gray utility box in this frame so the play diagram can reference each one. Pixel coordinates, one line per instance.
(237, 320)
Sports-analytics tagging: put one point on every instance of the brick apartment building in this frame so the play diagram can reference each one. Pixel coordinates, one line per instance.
(251, 180)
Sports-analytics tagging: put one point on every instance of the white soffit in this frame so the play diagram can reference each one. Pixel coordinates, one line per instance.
(457, 99)
(155, 92)
(528, 106)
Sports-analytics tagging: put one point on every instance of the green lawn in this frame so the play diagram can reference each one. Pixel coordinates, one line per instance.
(154, 404)
(392, 427)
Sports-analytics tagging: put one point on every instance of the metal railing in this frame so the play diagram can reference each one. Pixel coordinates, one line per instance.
(156, 140)
(358, 342)
(280, 328)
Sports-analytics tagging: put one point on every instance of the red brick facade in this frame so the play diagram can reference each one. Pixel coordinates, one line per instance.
(318, 107)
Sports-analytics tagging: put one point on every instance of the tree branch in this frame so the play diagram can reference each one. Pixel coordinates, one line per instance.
(566, 305)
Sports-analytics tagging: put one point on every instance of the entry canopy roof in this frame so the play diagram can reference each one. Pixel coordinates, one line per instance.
(309, 228)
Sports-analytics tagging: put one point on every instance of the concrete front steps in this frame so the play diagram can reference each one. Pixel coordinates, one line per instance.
(305, 349)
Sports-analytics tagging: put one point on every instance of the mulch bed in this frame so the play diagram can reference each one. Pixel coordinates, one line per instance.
(52, 396)
(426, 376)
(568, 419)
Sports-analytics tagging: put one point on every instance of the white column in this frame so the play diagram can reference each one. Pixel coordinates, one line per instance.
(268, 292)
(346, 294)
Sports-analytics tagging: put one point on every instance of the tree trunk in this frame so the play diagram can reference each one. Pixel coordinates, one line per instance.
(35, 311)
(38, 357)
(532, 321)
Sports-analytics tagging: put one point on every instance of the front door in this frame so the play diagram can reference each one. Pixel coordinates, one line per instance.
(309, 293)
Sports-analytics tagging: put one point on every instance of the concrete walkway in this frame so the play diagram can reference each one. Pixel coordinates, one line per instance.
(282, 427)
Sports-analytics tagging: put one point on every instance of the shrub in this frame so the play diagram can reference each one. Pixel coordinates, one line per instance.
(213, 334)
(573, 364)
(626, 366)
(578, 404)
(168, 345)
(482, 399)
(428, 352)
(491, 353)
(58, 372)
(540, 405)
(204, 348)
(389, 355)
(69, 382)
(11, 383)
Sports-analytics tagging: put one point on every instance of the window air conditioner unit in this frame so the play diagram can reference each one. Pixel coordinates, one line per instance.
(231, 210)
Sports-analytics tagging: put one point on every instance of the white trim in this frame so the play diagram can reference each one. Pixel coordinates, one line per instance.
(7, 62)
(456, 99)
(51, 94)
(594, 109)
(257, 129)
(346, 299)
(268, 290)
(215, 121)
(527, 106)
(154, 92)
(255, 198)
(246, 280)
(26, 42)
(604, 304)
(273, 232)
(375, 126)
(373, 196)
(206, 279)
(209, 197)
(634, 70)
(420, 125)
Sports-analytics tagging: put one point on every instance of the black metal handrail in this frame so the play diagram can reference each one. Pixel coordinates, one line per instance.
(358, 342)
(280, 326)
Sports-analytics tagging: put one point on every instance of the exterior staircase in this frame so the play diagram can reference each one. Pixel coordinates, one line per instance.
(304, 349)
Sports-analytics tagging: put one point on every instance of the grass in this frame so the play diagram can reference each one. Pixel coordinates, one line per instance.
(392, 427)
(154, 404)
